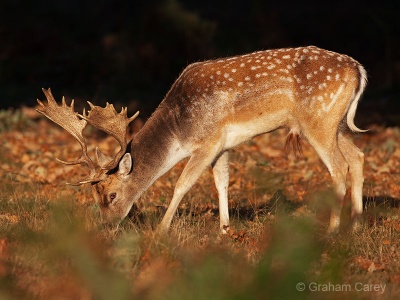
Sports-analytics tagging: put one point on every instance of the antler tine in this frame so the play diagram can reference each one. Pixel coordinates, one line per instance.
(115, 124)
(133, 117)
(67, 118)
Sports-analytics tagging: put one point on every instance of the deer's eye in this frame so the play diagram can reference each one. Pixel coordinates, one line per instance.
(110, 198)
(113, 196)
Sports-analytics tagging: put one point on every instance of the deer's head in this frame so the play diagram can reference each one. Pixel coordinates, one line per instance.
(109, 179)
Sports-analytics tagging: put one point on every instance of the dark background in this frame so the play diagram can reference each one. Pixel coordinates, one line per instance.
(125, 51)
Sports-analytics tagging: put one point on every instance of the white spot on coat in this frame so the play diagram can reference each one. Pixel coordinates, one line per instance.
(271, 66)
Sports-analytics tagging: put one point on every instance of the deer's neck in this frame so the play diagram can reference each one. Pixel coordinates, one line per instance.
(155, 149)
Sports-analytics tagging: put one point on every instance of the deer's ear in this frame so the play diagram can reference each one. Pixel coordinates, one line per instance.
(102, 159)
(125, 165)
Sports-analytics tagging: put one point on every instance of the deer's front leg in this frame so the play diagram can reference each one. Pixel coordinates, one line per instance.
(221, 178)
(199, 161)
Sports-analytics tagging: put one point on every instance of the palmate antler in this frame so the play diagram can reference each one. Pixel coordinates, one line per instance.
(109, 121)
(105, 119)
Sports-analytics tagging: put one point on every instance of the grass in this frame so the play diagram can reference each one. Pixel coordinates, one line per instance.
(56, 249)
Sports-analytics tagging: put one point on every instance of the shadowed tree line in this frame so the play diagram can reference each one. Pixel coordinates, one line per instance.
(134, 50)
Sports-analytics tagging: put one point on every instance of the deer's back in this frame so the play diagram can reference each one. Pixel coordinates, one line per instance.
(257, 87)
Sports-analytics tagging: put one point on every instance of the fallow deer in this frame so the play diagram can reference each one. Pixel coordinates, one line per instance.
(216, 105)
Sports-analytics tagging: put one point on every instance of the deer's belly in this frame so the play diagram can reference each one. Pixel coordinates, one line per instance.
(238, 132)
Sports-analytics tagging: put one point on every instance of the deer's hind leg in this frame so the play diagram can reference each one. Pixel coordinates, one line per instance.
(355, 160)
(325, 143)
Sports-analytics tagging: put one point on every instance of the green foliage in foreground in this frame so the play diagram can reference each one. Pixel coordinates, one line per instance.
(52, 253)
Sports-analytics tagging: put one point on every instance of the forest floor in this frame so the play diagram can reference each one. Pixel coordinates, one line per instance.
(53, 247)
